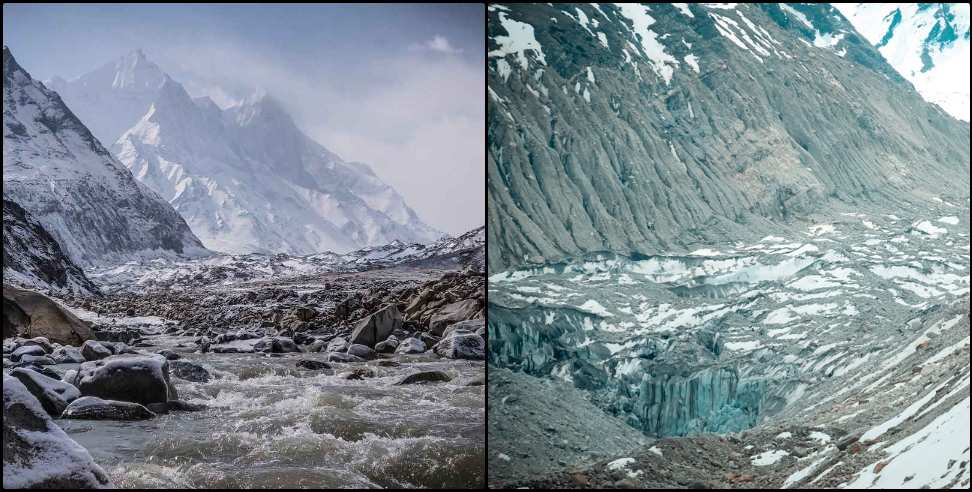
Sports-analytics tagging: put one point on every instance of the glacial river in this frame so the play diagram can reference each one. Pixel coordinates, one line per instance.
(269, 424)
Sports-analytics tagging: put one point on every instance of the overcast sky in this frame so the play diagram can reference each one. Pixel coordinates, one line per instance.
(399, 87)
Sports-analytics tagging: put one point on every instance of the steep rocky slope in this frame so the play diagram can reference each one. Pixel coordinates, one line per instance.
(59, 173)
(644, 129)
(31, 257)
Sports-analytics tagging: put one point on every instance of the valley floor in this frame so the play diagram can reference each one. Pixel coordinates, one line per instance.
(285, 401)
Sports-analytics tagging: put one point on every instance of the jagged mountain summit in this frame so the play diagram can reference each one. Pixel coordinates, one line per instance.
(640, 129)
(59, 173)
(246, 178)
(111, 98)
(927, 42)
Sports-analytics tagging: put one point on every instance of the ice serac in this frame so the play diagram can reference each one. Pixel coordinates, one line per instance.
(928, 43)
(670, 389)
(60, 174)
(246, 178)
(621, 146)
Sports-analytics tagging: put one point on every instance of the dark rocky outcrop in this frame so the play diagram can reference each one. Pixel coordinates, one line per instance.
(31, 252)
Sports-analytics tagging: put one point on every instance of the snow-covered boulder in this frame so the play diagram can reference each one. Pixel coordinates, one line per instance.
(36, 452)
(137, 378)
(53, 395)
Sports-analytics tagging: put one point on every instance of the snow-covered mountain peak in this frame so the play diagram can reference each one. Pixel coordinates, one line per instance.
(246, 178)
(928, 43)
(261, 108)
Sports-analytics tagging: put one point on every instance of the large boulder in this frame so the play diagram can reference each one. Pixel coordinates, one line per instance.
(36, 452)
(453, 313)
(53, 394)
(461, 344)
(93, 350)
(136, 378)
(377, 326)
(94, 408)
(40, 316)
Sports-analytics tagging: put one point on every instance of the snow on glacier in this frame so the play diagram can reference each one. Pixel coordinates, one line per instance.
(662, 63)
(519, 38)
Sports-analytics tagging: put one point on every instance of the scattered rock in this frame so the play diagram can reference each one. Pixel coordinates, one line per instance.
(67, 354)
(175, 405)
(339, 344)
(472, 325)
(37, 360)
(358, 373)
(411, 346)
(388, 346)
(313, 364)
(361, 351)
(92, 350)
(168, 354)
(283, 345)
(94, 408)
(27, 350)
(424, 377)
(189, 371)
(342, 357)
(462, 344)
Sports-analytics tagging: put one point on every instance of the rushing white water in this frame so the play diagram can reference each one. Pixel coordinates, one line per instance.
(270, 424)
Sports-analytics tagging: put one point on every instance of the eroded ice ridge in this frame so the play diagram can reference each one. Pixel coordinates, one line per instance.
(741, 334)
